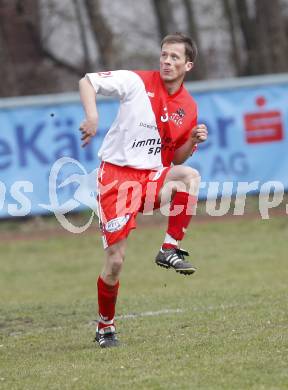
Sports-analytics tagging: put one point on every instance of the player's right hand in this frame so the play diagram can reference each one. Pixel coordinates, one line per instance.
(88, 129)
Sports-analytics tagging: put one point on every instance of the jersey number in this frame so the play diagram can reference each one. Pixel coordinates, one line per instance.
(105, 74)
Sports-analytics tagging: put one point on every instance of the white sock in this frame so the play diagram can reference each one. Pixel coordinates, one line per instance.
(170, 240)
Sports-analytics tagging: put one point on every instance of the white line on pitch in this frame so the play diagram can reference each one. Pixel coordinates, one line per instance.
(149, 314)
(221, 307)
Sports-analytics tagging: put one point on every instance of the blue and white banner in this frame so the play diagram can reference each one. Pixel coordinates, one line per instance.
(247, 137)
(32, 140)
(247, 144)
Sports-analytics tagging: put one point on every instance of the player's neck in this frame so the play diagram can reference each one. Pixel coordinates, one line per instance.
(173, 86)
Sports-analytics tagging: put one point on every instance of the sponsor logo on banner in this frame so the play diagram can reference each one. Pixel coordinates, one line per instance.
(264, 125)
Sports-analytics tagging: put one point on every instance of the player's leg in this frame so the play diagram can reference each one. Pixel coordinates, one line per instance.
(115, 255)
(181, 185)
(108, 285)
(118, 204)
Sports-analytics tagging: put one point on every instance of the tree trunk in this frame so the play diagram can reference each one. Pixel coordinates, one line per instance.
(247, 26)
(22, 56)
(229, 12)
(271, 37)
(199, 71)
(87, 63)
(264, 36)
(29, 67)
(165, 20)
(102, 33)
(8, 85)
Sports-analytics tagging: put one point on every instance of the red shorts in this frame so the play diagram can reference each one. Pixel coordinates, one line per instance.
(122, 193)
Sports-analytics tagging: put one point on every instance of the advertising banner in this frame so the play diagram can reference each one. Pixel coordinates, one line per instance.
(43, 167)
(247, 137)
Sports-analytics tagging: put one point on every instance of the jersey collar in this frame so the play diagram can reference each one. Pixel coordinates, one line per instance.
(166, 92)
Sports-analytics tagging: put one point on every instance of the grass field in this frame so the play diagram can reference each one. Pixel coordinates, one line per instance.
(226, 327)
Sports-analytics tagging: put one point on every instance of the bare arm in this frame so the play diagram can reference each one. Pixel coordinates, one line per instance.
(89, 125)
(199, 134)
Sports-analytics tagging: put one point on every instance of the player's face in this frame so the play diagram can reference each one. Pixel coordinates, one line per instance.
(173, 63)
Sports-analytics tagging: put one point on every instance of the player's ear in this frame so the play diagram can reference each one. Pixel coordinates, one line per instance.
(189, 65)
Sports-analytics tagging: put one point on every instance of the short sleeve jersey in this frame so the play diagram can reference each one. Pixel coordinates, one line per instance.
(150, 124)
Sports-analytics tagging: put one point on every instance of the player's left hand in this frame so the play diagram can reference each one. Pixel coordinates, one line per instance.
(199, 133)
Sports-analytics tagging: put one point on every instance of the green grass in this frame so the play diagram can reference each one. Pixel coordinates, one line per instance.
(228, 330)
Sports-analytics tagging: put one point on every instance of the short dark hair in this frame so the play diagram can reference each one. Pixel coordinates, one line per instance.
(190, 46)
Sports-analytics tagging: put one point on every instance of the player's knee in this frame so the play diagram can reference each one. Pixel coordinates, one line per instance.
(191, 175)
(116, 266)
(115, 258)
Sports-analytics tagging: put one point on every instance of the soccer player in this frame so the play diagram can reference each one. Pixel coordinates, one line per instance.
(154, 132)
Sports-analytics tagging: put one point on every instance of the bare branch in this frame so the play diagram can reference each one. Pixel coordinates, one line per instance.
(87, 63)
(103, 34)
(62, 64)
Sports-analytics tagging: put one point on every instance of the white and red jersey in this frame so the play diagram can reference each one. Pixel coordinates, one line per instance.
(150, 124)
